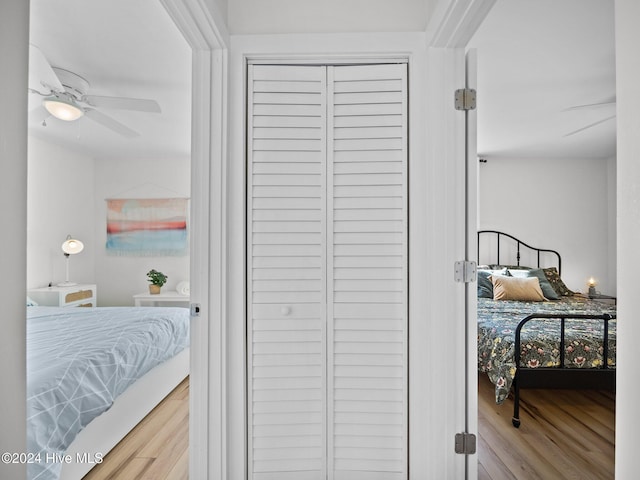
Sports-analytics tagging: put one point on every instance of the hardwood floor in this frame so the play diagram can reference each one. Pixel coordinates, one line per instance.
(157, 448)
(565, 434)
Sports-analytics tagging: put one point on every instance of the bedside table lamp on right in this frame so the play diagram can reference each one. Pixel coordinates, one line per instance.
(592, 287)
(71, 246)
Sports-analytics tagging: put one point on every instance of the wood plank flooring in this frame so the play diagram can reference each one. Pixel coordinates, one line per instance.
(157, 448)
(565, 434)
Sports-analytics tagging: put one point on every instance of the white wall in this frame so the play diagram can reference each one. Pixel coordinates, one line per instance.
(628, 197)
(67, 193)
(14, 39)
(560, 204)
(60, 202)
(612, 223)
(328, 16)
(119, 278)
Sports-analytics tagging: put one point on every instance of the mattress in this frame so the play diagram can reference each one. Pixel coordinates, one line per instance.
(540, 339)
(79, 360)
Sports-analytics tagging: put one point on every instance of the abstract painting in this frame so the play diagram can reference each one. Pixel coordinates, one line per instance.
(147, 227)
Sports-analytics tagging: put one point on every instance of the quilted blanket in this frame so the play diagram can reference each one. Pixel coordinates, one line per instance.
(540, 339)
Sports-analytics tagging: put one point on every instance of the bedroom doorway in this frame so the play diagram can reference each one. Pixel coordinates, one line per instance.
(504, 167)
(76, 194)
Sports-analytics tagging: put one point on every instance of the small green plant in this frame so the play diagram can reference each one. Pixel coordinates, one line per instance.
(156, 278)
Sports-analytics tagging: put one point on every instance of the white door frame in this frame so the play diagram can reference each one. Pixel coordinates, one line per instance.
(205, 31)
(453, 24)
(326, 49)
(216, 444)
(451, 28)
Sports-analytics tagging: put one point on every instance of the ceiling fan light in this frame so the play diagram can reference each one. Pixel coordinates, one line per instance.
(62, 109)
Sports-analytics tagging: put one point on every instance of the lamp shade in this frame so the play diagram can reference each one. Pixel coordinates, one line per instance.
(63, 108)
(71, 246)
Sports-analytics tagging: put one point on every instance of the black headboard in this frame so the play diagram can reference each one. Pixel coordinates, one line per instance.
(500, 238)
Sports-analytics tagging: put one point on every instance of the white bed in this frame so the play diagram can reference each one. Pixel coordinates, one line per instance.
(106, 431)
(93, 374)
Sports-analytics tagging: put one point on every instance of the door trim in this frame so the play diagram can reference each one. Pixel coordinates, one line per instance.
(205, 32)
(384, 48)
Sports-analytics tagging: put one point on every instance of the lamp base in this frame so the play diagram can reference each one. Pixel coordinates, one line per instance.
(67, 284)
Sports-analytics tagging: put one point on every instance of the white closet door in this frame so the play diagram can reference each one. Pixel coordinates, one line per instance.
(367, 241)
(286, 272)
(327, 272)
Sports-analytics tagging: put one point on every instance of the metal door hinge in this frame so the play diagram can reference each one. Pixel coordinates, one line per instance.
(465, 271)
(465, 99)
(195, 309)
(465, 443)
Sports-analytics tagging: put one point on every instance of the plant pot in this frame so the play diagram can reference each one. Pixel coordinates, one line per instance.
(154, 289)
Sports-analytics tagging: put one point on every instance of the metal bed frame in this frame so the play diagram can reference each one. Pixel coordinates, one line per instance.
(560, 377)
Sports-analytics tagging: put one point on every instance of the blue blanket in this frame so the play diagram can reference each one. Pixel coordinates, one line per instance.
(79, 360)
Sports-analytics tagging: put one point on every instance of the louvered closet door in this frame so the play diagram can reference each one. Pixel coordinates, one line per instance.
(287, 272)
(367, 297)
(327, 321)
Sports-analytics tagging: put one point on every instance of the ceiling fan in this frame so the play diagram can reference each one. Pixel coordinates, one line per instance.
(592, 106)
(64, 96)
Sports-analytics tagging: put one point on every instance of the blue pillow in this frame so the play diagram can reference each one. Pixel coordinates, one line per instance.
(485, 287)
(547, 290)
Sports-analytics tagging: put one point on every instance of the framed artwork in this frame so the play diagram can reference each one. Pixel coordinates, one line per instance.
(147, 227)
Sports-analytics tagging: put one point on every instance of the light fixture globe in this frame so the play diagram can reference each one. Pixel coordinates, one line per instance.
(63, 108)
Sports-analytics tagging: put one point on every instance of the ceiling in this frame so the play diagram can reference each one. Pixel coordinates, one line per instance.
(122, 48)
(536, 58)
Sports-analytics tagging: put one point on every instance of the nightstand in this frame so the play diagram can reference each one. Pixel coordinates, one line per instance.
(609, 300)
(81, 295)
(162, 297)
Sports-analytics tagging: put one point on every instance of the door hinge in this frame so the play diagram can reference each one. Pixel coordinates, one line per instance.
(465, 99)
(464, 271)
(465, 443)
(195, 309)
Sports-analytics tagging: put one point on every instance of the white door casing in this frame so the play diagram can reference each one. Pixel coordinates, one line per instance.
(327, 272)
(471, 423)
(436, 214)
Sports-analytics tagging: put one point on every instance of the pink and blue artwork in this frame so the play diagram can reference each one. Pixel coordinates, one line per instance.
(147, 227)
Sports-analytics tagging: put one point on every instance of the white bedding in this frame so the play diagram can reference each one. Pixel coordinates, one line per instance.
(79, 360)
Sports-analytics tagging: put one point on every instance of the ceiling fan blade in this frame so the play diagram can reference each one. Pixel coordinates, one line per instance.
(41, 75)
(589, 126)
(120, 103)
(590, 105)
(110, 123)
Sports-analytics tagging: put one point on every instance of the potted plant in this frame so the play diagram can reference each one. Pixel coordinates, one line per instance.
(157, 280)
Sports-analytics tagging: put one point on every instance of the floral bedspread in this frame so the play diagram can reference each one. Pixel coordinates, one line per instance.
(540, 339)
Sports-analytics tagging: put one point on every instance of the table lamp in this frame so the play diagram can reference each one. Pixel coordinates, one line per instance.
(71, 246)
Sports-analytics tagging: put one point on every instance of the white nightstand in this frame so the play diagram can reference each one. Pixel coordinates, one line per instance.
(82, 295)
(162, 297)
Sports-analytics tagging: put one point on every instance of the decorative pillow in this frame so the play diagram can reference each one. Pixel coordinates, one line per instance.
(556, 282)
(485, 287)
(31, 303)
(547, 290)
(514, 288)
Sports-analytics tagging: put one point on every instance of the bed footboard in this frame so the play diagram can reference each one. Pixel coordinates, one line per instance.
(561, 376)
